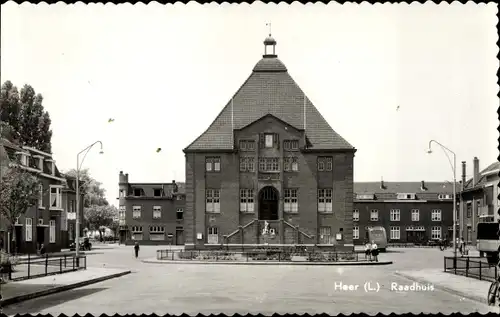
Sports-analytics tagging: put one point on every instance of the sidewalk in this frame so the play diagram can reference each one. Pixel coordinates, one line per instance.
(182, 262)
(14, 292)
(459, 285)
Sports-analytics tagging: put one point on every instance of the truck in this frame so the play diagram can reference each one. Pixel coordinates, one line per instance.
(488, 238)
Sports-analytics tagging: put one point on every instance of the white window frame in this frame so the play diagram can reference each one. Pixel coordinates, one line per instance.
(212, 235)
(325, 235)
(355, 232)
(395, 215)
(325, 200)
(355, 215)
(136, 211)
(58, 197)
(156, 212)
(52, 231)
(247, 200)
(268, 140)
(372, 213)
(212, 200)
(436, 215)
(40, 196)
(395, 233)
(415, 215)
(436, 233)
(28, 236)
(291, 200)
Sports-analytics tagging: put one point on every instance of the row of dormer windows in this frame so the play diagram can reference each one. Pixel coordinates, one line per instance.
(269, 140)
(402, 196)
(139, 192)
(395, 215)
(269, 164)
(35, 162)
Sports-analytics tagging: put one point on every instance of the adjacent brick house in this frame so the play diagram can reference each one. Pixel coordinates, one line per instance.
(151, 213)
(46, 222)
(409, 211)
(479, 198)
(269, 170)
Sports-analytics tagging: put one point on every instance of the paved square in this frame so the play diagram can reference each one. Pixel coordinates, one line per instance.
(175, 289)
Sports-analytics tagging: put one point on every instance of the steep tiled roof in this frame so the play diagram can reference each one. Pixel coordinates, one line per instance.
(391, 189)
(269, 90)
(482, 177)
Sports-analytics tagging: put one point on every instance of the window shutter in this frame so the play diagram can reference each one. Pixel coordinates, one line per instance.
(277, 140)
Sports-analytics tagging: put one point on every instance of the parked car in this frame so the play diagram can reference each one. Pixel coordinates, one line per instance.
(85, 245)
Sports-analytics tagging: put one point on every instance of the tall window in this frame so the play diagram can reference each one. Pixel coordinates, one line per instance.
(374, 215)
(121, 212)
(212, 164)
(269, 164)
(213, 235)
(29, 230)
(435, 232)
(247, 164)
(136, 212)
(180, 213)
(355, 232)
(246, 200)
(156, 212)
(355, 215)
(291, 164)
(291, 145)
(415, 215)
(55, 197)
(52, 231)
(212, 200)
(325, 200)
(395, 214)
(325, 163)
(291, 203)
(269, 140)
(395, 233)
(325, 235)
(469, 210)
(436, 215)
(40, 195)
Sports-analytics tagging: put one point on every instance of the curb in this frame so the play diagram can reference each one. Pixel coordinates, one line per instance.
(57, 289)
(270, 263)
(482, 300)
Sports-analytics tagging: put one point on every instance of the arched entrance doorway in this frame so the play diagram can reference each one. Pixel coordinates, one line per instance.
(268, 203)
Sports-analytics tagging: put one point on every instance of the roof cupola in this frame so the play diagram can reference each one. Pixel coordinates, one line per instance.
(270, 45)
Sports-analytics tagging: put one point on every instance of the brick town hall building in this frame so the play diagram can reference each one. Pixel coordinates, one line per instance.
(269, 170)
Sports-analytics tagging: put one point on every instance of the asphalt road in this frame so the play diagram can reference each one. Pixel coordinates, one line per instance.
(191, 289)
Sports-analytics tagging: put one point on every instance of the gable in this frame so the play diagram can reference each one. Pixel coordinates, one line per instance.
(269, 90)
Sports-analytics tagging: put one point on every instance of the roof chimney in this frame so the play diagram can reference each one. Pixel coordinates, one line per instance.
(464, 174)
(422, 186)
(475, 167)
(382, 185)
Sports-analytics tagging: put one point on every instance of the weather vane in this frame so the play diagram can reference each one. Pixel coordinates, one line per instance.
(269, 25)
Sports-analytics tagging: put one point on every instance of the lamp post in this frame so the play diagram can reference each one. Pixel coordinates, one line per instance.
(454, 168)
(78, 166)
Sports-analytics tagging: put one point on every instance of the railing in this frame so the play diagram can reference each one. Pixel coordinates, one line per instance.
(33, 266)
(473, 267)
(263, 256)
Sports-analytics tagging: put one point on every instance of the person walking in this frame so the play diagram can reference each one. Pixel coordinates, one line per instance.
(368, 252)
(374, 251)
(136, 249)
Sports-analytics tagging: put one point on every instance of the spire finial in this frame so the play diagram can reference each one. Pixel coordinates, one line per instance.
(269, 25)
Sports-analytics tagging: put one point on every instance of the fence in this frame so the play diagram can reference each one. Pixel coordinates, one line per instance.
(32, 266)
(474, 267)
(273, 256)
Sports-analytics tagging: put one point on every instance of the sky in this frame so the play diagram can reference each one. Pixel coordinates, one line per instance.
(163, 73)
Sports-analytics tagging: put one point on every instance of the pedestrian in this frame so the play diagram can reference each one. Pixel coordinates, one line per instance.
(368, 250)
(42, 249)
(136, 249)
(374, 250)
(462, 247)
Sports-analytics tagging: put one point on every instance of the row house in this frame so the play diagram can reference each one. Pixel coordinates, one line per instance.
(413, 212)
(47, 221)
(151, 213)
(269, 170)
(479, 199)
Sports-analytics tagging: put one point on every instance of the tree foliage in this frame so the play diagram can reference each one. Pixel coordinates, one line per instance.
(19, 190)
(100, 216)
(93, 193)
(24, 120)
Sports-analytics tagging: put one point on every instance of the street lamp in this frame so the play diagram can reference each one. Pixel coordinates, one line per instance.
(454, 169)
(78, 166)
